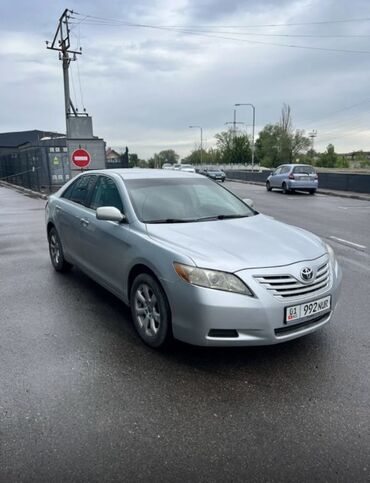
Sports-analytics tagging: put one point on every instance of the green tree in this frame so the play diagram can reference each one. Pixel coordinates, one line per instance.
(267, 146)
(210, 156)
(134, 161)
(329, 158)
(165, 156)
(168, 156)
(280, 143)
(233, 147)
(342, 162)
(361, 159)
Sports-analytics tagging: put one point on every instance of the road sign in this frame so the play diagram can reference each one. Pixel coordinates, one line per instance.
(81, 158)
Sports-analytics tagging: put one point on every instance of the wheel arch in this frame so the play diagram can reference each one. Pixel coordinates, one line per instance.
(136, 270)
(49, 226)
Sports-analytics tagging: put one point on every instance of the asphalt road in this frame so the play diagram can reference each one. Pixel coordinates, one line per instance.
(82, 399)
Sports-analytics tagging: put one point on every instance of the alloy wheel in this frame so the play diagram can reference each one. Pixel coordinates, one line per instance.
(147, 310)
(54, 249)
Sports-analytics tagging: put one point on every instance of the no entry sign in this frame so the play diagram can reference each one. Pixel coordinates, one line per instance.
(81, 158)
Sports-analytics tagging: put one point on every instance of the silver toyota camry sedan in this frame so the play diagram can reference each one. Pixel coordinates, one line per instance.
(191, 259)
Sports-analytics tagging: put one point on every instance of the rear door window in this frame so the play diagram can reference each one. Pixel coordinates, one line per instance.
(79, 191)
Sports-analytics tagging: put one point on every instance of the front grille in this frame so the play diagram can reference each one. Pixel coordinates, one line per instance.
(302, 325)
(287, 286)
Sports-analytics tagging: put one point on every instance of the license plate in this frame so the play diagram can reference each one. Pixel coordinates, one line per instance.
(296, 312)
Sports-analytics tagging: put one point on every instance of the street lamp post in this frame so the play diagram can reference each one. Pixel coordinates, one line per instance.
(201, 141)
(253, 128)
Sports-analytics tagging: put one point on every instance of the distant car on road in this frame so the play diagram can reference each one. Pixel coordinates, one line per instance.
(167, 166)
(188, 168)
(291, 177)
(214, 173)
(191, 258)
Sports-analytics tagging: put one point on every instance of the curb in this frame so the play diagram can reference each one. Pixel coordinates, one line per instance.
(25, 191)
(339, 194)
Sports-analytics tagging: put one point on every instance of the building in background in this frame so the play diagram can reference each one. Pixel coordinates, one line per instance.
(40, 160)
(116, 160)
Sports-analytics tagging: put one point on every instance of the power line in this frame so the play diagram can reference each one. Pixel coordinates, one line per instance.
(202, 34)
(117, 23)
(320, 22)
(347, 108)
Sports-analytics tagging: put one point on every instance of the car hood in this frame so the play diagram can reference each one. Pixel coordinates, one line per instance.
(241, 243)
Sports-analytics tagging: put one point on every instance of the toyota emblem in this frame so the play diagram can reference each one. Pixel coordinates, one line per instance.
(306, 274)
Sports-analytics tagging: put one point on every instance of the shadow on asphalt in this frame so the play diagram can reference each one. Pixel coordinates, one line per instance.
(291, 193)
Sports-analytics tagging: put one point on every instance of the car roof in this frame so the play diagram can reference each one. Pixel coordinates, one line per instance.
(293, 165)
(135, 173)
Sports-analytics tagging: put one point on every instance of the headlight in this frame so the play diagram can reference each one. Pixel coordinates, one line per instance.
(212, 279)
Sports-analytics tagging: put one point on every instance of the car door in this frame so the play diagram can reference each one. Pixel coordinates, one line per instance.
(283, 176)
(70, 210)
(106, 243)
(274, 177)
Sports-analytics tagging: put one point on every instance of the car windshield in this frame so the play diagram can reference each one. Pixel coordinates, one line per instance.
(303, 170)
(215, 171)
(177, 200)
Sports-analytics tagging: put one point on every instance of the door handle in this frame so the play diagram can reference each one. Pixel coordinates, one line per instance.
(84, 221)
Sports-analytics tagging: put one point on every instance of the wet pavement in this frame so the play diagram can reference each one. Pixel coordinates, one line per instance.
(82, 399)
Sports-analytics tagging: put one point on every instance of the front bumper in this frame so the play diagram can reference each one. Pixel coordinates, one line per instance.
(200, 315)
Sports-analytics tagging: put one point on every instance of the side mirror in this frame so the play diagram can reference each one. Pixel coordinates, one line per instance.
(249, 202)
(109, 213)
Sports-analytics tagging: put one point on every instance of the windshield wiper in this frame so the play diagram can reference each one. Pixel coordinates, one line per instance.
(193, 220)
(220, 217)
(172, 220)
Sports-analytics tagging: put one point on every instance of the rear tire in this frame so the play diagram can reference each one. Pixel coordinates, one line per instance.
(268, 186)
(312, 192)
(285, 188)
(150, 311)
(56, 252)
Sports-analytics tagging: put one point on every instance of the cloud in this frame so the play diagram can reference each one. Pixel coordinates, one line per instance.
(145, 86)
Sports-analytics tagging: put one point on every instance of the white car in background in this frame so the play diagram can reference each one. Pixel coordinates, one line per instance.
(188, 168)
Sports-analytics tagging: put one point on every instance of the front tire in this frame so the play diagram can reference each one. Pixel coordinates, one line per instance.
(312, 192)
(268, 186)
(150, 311)
(56, 252)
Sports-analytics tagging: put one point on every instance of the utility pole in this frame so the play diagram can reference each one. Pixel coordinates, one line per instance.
(253, 128)
(312, 136)
(201, 141)
(61, 43)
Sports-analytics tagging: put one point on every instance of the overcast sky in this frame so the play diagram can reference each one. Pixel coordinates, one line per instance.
(145, 86)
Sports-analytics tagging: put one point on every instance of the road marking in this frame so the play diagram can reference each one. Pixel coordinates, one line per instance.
(346, 242)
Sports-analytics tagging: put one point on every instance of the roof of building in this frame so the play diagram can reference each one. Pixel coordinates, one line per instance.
(15, 139)
(111, 152)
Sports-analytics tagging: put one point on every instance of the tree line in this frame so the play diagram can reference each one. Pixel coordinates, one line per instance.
(276, 144)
